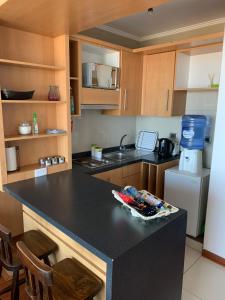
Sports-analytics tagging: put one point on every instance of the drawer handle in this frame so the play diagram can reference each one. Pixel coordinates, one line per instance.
(125, 100)
(167, 100)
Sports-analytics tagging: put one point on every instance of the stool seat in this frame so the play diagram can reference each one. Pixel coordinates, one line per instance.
(68, 279)
(39, 243)
(71, 280)
(35, 240)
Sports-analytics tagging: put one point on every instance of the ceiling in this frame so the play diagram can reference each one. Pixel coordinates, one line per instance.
(55, 17)
(169, 16)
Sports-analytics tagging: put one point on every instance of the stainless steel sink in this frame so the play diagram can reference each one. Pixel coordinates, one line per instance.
(118, 155)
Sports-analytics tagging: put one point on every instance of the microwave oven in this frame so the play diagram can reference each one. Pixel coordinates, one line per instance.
(96, 75)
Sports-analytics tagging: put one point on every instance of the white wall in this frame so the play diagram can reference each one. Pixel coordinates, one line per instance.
(163, 125)
(106, 131)
(215, 220)
(201, 66)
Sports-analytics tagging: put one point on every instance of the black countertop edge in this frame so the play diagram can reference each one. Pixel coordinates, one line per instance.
(61, 228)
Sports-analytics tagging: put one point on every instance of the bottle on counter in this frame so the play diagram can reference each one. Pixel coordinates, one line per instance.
(98, 153)
(93, 146)
(35, 129)
(72, 104)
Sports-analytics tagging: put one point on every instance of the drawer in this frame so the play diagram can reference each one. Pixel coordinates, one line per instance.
(99, 96)
(131, 170)
(133, 180)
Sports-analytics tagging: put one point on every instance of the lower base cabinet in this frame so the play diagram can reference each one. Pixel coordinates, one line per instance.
(127, 175)
(141, 175)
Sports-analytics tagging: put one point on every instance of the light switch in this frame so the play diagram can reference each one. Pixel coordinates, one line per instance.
(40, 172)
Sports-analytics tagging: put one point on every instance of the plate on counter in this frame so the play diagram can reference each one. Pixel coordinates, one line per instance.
(143, 204)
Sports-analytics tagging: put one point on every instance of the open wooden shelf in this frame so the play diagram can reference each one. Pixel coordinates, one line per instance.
(196, 89)
(31, 102)
(27, 172)
(31, 136)
(30, 65)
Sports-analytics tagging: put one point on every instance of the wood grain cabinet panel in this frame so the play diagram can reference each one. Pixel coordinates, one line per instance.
(158, 96)
(127, 175)
(131, 81)
(99, 96)
(130, 85)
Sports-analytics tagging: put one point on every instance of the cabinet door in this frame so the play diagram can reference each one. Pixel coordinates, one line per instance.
(131, 83)
(158, 81)
(133, 180)
(113, 176)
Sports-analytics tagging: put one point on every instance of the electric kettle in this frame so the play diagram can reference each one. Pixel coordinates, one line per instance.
(166, 147)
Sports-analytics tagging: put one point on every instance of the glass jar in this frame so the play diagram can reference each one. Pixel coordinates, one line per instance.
(53, 94)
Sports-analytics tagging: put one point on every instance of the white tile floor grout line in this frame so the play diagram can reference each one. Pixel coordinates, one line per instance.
(193, 264)
(190, 292)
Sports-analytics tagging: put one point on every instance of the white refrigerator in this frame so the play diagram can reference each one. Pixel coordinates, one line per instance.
(190, 192)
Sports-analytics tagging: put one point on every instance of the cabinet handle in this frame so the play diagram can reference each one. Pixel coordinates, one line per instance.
(167, 100)
(125, 100)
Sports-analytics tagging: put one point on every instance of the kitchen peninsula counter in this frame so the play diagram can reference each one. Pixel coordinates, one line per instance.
(144, 260)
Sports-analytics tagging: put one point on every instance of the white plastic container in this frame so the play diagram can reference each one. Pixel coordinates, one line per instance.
(98, 153)
(191, 161)
(93, 146)
(11, 159)
(24, 128)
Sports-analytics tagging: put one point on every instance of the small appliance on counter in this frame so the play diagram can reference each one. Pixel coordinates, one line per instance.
(100, 76)
(166, 147)
(12, 158)
(195, 130)
(176, 143)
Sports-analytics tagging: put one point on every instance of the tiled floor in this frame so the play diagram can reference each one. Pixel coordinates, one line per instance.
(203, 279)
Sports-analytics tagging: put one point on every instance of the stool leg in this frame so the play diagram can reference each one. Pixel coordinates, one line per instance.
(46, 261)
(15, 286)
(0, 269)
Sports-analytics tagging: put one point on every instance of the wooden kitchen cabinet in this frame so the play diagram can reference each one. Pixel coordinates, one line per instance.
(127, 175)
(158, 96)
(99, 96)
(131, 81)
(153, 177)
(113, 176)
(141, 175)
(130, 85)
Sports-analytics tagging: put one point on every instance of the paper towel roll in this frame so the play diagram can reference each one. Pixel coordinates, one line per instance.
(11, 159)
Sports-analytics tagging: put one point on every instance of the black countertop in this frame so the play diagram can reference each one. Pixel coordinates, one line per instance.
(134, 156)
(84, 208)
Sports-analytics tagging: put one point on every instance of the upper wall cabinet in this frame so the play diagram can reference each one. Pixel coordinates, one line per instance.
(131, 81)
(100, 75)
(158, 97)
(130, 85)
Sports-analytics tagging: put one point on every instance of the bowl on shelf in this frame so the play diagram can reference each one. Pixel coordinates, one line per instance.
(16, 95)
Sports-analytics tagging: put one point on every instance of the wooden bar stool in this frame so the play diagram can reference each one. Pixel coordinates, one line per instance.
(68, 279)
(40, 245)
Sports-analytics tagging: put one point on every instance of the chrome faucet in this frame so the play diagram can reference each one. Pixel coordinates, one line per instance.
(122, 147)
